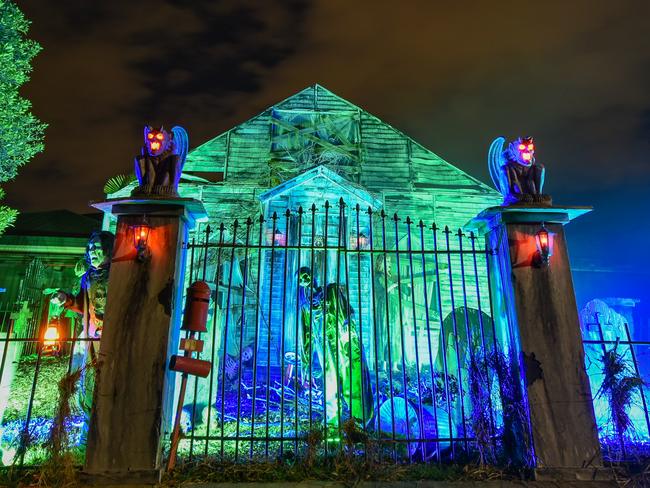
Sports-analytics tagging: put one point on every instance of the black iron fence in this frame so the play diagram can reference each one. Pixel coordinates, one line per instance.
(337, 326)
(330, 328)
(617, 360)
(31, 394)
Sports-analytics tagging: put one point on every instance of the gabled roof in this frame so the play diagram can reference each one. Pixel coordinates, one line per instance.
(331, 177)
(420, 165)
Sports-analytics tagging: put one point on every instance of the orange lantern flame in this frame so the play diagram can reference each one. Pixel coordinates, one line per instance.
(141, 236)
(51, 336)
(543, 241)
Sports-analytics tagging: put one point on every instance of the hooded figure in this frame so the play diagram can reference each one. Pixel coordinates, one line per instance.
(330, 334)
(90, 302)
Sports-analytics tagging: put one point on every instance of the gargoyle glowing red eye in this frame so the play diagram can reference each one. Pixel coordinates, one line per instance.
(522, 147)
(159, 136)
(530, 147)
(150, 136)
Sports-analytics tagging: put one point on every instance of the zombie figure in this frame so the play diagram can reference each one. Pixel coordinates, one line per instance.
(159, 166)
(329, 335)
(90, 302)
(515, 172)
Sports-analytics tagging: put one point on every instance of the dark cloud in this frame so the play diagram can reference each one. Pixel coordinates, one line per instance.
(109, 67)
(451, 74)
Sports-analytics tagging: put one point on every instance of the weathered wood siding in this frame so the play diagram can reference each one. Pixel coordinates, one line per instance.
(406, 177)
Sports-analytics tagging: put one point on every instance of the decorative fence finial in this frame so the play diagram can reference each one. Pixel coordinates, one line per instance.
(161, 161)
(516, 173)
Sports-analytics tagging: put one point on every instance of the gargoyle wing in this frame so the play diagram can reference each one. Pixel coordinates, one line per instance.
(495, 164)
(181, 144)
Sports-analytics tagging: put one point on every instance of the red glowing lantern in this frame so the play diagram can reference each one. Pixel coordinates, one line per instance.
(140, 238)
(544, 248)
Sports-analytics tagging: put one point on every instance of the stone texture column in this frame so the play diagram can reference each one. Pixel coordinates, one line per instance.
(537, 304)
(134, 387)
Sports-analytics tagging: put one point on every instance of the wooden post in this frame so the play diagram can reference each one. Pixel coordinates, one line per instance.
(536, 303)
(132, 410)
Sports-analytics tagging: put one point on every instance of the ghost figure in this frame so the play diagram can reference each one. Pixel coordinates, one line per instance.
(159, 166)
(330, 333)
(515, 172)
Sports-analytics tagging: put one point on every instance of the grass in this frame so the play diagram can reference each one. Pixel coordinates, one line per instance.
(46, 408)
(52, 369)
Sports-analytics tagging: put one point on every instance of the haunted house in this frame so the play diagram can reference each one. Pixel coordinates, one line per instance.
(284, 164)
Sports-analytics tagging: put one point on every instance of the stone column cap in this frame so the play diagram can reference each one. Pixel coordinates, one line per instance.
(524, 214)
(189, 209)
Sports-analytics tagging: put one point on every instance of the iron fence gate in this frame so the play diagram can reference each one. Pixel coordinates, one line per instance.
(333, 326)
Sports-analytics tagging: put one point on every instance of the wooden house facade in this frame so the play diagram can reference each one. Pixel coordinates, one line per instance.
(311, 148)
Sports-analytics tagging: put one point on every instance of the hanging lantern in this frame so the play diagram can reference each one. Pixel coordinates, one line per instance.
(51, 339)
(140, 238)
(544, 248)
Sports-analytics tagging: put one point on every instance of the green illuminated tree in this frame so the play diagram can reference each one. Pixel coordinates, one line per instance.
(21, 133)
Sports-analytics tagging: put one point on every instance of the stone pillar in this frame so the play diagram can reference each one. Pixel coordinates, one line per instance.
(537, 304)
(134, 388)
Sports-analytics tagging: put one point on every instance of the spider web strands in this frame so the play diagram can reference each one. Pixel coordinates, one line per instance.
(340, 318)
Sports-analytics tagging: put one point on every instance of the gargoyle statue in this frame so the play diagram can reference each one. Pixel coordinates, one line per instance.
(515, 173)
(158, 167)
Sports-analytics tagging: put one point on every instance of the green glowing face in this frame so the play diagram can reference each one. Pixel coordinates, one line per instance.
(96, 254)
(304, 279)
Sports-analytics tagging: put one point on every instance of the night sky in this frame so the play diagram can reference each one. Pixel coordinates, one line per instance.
(453, 75)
